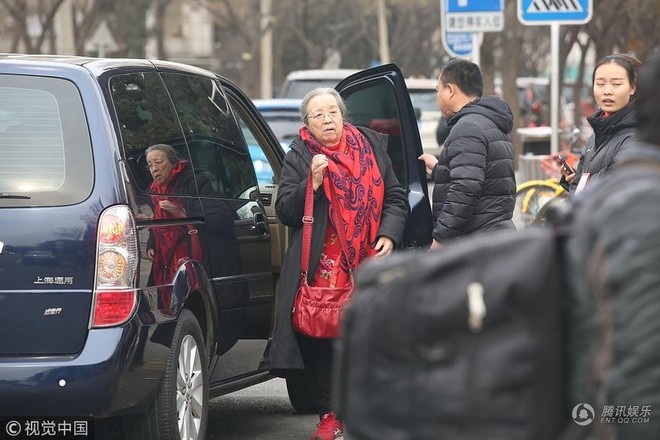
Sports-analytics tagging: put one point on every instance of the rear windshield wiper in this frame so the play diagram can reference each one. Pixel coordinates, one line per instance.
(13, 196)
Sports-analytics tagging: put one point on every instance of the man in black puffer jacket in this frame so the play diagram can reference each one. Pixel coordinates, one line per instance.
(475, 183)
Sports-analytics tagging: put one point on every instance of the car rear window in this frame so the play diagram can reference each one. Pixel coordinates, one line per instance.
(297, 89)
(44, 143)
(424, 99)
(285, 124)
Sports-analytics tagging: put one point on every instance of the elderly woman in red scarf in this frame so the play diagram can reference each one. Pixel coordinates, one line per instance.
(168, 244)
(372, 209)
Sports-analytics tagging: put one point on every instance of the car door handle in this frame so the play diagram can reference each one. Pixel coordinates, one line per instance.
(260, 226)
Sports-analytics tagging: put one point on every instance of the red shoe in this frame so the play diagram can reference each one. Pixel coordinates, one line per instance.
(329, 428)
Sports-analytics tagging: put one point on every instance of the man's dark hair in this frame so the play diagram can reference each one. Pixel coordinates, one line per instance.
(647, 100)
(465, 74)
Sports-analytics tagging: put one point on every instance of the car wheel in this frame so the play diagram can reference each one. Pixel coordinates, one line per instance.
(302, 393)
(180, 410)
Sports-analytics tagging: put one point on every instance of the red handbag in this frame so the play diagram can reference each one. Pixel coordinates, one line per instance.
(317, 310)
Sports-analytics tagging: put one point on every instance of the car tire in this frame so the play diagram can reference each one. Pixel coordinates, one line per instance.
(302, 393)
(180, 409)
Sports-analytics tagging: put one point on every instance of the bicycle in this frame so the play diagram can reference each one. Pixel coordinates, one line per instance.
(533, 198)
(536, 198)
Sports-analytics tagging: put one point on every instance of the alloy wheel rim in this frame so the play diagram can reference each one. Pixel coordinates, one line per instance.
(189, 389)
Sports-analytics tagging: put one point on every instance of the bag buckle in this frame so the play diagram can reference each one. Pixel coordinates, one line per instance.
(476, 307)
(307, 219)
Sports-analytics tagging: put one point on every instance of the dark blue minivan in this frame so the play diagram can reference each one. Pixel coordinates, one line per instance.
(112, 307)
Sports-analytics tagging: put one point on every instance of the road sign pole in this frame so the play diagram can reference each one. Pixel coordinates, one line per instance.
(477, 38)
(554, 88)
(383, 34)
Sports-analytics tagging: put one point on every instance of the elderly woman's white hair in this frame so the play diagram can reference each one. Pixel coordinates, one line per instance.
(170, 153)
(304, 113)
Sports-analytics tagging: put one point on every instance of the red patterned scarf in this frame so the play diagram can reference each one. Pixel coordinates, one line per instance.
(167, 188)
(359, 189)
(171, 241)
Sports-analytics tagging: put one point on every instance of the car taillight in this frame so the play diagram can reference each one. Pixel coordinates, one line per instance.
(111, 229)
(111, 266)
(116, 267)
(113, 307)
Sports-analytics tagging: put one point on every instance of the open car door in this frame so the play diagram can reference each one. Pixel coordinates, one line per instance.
(377, 98)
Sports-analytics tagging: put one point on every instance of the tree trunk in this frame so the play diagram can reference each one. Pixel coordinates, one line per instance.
(512, 40)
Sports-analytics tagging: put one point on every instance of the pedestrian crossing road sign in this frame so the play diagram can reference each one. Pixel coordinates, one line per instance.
(540, 12)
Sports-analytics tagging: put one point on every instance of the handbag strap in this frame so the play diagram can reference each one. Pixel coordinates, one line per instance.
(308, 219)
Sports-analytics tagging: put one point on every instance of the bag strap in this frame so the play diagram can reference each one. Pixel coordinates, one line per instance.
(308, 219)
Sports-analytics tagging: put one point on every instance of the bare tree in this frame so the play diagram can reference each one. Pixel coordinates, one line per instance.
(128, 25)
(645, 17)
(511, 41)
(238, 36)
(158, 29)
(87, 15)
(36, 16)
(413, 24)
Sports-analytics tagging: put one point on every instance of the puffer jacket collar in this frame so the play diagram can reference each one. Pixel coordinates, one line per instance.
(492, 107)
(605, 128)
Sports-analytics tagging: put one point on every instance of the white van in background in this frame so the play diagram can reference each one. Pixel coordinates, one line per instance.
(299, 82)
(422, 94)
(424, 100)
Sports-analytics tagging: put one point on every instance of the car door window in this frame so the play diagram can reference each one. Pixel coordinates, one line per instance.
(265, 161)
(146, 117)
(375, 107)
(262, 167)
(216, 142)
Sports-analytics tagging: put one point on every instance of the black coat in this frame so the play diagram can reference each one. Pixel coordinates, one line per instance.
(614, 295)
(475, 182)
(611, 136)
(283, 353)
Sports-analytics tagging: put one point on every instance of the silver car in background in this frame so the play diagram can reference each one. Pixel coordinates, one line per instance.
(424, 100)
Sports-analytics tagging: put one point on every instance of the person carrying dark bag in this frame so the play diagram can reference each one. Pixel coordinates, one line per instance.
(614, 287)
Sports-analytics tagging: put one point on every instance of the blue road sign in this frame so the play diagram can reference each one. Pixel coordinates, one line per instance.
(475, 5)
(473, 15)
(459, 44)
(540, 12)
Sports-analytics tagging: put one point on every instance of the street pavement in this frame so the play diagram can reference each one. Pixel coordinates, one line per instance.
(261, 412)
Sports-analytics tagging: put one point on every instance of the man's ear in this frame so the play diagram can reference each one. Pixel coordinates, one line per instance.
(452, 90)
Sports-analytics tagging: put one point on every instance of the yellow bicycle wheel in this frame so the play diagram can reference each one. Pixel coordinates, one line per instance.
(531, 197)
